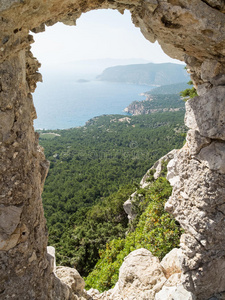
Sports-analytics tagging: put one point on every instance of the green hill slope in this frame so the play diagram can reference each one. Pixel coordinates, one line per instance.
(146, 74)
(93, 171)
(174, 88)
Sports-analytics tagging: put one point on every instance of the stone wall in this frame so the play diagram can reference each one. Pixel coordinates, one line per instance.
(192, 31)
(198, 178)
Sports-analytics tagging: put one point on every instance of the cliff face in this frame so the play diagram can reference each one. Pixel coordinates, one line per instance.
(192, 31)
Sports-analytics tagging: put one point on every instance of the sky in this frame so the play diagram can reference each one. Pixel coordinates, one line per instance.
(99, 34)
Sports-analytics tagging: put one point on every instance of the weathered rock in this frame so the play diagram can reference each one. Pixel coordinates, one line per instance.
(213, 156)
(157, 168)
(188, 30)
(51, 258)
(206, 113)
(140, 277)
(197, 203)
(210, 69)
(219, 4)
(203, 88)
(95, 294)
(196, 142)
(171, 262)
(71, 278)
(10, 218)
(174, 280)
(172, 173)
(129, 207)
(174, 293)
(156, 171)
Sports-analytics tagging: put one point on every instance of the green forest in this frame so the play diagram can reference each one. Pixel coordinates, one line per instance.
(153, 229)
(93, 171)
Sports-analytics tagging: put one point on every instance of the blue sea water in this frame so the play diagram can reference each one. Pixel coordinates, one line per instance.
(65, 103)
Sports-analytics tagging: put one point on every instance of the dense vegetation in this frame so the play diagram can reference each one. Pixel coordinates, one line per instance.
(146, 74)
(189, 92)
(93, 171)
(155, 231)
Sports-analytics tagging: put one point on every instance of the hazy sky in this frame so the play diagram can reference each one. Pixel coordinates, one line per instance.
(98, 34)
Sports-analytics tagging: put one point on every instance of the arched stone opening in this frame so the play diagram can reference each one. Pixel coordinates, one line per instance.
(192, 31)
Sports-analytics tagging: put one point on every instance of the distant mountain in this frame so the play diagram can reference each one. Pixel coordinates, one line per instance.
(146, 74)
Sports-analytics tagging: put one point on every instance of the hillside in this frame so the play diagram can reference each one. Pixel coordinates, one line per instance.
(93, 171)
(156, 103)
(160, 99)
(146, 74)
(169, 89)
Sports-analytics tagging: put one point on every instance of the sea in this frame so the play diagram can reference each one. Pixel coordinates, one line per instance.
(64, 102)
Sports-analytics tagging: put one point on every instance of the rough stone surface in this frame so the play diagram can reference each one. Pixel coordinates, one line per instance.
(213, 156)
(196, 142)
(51, 258)
(192, 31)
(128, 207)
(210, 121)
(197, 203)
(140, 277)
(157, 167)
(174, 293)
(71, 278)
(171, 262)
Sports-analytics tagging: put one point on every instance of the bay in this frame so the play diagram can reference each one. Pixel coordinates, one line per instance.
(63, 103)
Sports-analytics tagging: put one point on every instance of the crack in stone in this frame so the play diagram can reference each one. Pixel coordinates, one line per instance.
(217, 7)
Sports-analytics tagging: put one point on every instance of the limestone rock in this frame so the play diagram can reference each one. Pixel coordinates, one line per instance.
(6, 4)
(10, 233)
(94, 293)
(172, 173)
(196, 142)
(140, 277)
(190, 30)
(209, 122)
(128, 207)
(158, 167)
(71, 278)
(197, 202)
(174, 280)
(157, 170)
(219, 4)
(174, 293)
(213, 156)
(210, 69)
(171, 262)
(51, 258)
(9, 219)
(203, 88)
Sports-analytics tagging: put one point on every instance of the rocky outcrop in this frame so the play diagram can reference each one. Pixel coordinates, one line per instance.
(197, 201)
(73, 284)
(143, 277)
(192, 31)
(128, 207)
(157, 170)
